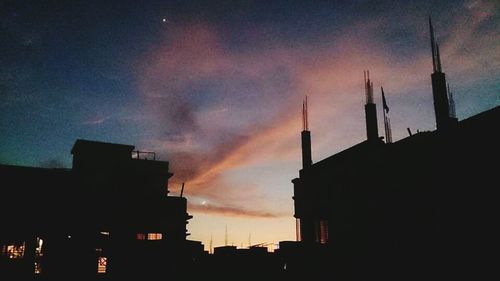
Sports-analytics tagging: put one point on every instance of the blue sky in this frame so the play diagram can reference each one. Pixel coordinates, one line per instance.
(215, 87)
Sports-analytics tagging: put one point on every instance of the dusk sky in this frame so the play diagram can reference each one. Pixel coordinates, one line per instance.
(216, 88)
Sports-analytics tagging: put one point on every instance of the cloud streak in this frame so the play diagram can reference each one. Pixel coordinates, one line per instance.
(217, 109)
(233, 211)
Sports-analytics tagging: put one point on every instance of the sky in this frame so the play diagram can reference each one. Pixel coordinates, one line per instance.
(216, 88)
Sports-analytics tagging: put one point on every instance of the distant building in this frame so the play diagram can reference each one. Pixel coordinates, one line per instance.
(421, 208)
(229, 263)
(108, 216)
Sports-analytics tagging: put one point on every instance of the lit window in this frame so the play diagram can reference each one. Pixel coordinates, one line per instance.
(13, 251)
(102, 262)
(323, 231)
(38, 267)
(154, 236)
(140, 236)
(38, 255)
(38, 249)
(105, 233)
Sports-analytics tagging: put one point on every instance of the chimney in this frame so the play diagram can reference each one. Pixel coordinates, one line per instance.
(306, 138)
(370, 110)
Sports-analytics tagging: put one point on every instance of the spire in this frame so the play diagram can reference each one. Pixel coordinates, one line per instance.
(438, 59)
(211, 251)
(387, 120)
(368, 87)
(305, 121)
(433, 44)
(384, 102)
(306, 137)
(225, 237)
(370, 110)
(439, 91)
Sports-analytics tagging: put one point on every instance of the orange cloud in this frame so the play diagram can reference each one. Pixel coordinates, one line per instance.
(232, 211)
(192, 88)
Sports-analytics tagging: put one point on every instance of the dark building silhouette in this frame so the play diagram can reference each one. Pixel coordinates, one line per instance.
(229, 263)
(443, 109)
(109, 216)
(421, 208)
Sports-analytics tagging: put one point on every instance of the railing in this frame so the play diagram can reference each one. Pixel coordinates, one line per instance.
(146, 155)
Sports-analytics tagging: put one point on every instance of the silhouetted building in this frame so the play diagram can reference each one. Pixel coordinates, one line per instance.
(109, 216)
(229, 263)
(420, 208)
(443, 109)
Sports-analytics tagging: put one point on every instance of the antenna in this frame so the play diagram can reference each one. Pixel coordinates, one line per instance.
(368, 87)
(303, 116)
(211, 245)
(182, 189)
(225, 238)
(433, 44)
(307, 117)
(249, 239)
(305, 121)
(387, 120)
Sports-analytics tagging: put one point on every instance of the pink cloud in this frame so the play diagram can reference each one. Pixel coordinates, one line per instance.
(205, 141)
(232, 211)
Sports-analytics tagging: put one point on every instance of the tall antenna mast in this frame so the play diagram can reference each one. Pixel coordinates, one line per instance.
(182, 190)
(303, 116)
(438, 59)
(211, 244)
(387, 120)
(433, 45)
(370, 110)
(307, 117)
(225, 238)
(305, 121)
(368, 87)
(305, 136)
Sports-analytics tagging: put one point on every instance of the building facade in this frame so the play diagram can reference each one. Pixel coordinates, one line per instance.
(110, 216)
(419, 208)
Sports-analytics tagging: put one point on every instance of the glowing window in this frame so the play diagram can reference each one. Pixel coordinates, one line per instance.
(14, 251)
(140, 236)
(154, 236)
(38, 255)
(323, 231)
(102, 262)
(38, 249)
(38, 267)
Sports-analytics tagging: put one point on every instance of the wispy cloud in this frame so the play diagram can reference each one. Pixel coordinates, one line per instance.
(97, 121)
(215, 109)
(233, 211)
